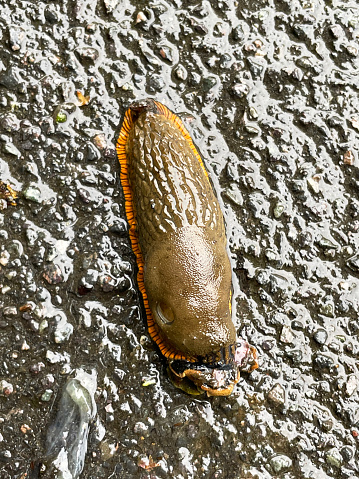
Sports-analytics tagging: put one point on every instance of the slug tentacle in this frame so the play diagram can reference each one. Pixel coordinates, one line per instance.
(178, 236)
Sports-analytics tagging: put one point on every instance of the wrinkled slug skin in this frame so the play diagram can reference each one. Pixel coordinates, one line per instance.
(181, 235)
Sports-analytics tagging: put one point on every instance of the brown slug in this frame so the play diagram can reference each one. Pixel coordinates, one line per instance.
(177, 233)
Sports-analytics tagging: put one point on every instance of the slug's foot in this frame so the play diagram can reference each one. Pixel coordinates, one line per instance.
(184, 384)
(198, 378)
(215, 375)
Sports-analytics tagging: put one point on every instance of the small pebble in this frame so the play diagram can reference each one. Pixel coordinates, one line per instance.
(11, 149)
(107, 450)
(54, 358)
(276, 395)
(63, 332)
(100, 141)
(48, 380)
(166, 53)
(314, 184)
(199, 27)
(88, 54)
(278, 210)
(107, 283)
(6, 388)
(322, 361)
(238, 33)
(51, 14)
(4, 258)
(156, 83)
(110, 5)
(336, 31)
(61, 117)
(92, 153)
(347, 453)
(352, 50)
(326, 243)
(5, 456)
(209, 83)
(43, 326)
(8, 122)
(333, 457)
(25, 346)
(127, 87)
(47, 395)
(287, 335)
(234, 194)
(353, 262)
(36, 368)
(297, 74)
(253, 130)
(240, 90)
(280, 463)
(351, 385)
(17, 36)
(141, 17)
(11, 79)
(327, 309)
(180, 72)
(140, 428)
(267, 345)
(53, 274)
(320, 336)
(32, 193)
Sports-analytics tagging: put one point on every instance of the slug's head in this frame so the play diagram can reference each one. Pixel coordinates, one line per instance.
(215, 375)
(188, 284)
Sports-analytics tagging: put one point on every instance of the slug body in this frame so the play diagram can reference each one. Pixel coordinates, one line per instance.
(178, 236)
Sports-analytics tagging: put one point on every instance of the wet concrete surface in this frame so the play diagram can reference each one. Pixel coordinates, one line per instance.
(269, 92)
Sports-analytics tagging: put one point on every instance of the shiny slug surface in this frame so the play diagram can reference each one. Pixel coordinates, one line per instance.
(178, 236)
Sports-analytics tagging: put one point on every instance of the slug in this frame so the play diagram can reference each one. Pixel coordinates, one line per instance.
(177, 234)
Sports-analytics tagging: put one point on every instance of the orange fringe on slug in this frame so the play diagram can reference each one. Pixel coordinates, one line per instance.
(127, 124)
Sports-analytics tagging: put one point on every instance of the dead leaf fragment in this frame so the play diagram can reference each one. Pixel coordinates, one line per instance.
(8, 194)
(84, 100)
(148, 463)
(348, 158)
(26, 307)
(25, 428)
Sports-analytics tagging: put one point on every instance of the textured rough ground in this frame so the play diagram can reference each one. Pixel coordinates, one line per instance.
(269, 91)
